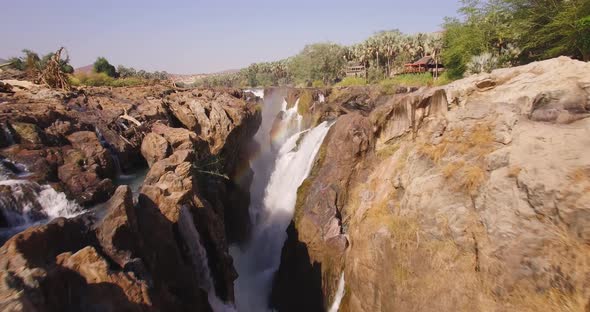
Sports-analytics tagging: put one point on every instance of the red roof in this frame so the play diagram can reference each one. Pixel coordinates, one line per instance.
(421, 62)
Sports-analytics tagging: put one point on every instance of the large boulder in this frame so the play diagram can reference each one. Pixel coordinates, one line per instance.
(87, 170)
(117, 233)
(213, 116)
(154, 148)
(38, 162)
(27, 133)
(178, 138)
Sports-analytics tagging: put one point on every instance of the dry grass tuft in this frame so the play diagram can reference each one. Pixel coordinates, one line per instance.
(569, 257)
(464, 177)
(451, 169)
(580, 174)
(434, 152)
(514, 171)
(552, 300)
(388, 150)
(476, 143)
(473, 177)
(471, 146)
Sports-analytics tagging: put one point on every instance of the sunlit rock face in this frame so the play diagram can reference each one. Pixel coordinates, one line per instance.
(482, 182)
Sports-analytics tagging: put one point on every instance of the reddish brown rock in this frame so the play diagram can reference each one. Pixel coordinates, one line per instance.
(117, 232)
(179, 138)
(154, 148)
(27, 133)
(87, 169)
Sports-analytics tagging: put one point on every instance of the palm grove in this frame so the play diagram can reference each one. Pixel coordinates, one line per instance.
(489, 34)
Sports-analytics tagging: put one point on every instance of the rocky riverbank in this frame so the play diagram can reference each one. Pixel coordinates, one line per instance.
(168, 250)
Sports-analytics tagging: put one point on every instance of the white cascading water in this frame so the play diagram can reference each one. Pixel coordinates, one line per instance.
(199, 260)
(259, 92)
(8, 134)
(273, 196)
(24, 196)
(104, 143)
(339, 295)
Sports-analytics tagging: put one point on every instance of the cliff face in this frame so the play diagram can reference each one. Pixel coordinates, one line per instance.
(167, 250)
(468, 197)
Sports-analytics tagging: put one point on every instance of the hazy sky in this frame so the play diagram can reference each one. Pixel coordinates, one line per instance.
(203, 36)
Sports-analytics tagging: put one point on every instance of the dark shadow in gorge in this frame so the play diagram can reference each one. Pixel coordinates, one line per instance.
(298, 282)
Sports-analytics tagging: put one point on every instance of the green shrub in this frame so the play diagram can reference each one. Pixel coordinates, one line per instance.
(305, 102)
(388, 86)
(127, 82)
(102, 79)
(318, 84)
(103, 66)
(352, 81)
(443, 79)
(413, 80)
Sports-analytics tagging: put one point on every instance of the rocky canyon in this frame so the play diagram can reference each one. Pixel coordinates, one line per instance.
(472, 196)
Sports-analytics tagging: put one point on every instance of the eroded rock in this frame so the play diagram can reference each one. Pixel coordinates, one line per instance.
(154, 148)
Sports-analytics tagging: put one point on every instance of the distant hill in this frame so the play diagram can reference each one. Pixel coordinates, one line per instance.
(84, 69)
(190, 78)
(2, 61)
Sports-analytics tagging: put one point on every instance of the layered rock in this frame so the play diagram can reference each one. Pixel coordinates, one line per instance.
(473, 199)
(154, 148)
(148, 255)
(88, 169)
(90, 262)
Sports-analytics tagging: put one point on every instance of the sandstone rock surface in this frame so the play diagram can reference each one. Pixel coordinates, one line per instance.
(474, 197)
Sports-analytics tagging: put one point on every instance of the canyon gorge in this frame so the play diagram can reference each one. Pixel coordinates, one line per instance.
(472, 196)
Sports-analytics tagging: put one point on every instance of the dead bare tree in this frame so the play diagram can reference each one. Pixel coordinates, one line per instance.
(53, 76)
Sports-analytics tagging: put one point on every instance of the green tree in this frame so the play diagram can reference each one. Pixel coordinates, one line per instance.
(126, 72)
(103, 66)
(17, 63)
(549, 28)
(32, 61)
(319, 61)
(486, 27)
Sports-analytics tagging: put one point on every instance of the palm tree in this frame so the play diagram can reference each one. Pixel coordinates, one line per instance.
(391, 47)
(436, 46)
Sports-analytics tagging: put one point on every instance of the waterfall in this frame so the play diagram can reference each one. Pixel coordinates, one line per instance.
(199, 260)
(10, 169)
(278, 173)
(24, 203)
(339, 295)
(259, 92)
(8, 134)
(112, 151)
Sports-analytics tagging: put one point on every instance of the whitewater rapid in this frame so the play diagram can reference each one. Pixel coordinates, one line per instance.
(29, 203)
(280, 171)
